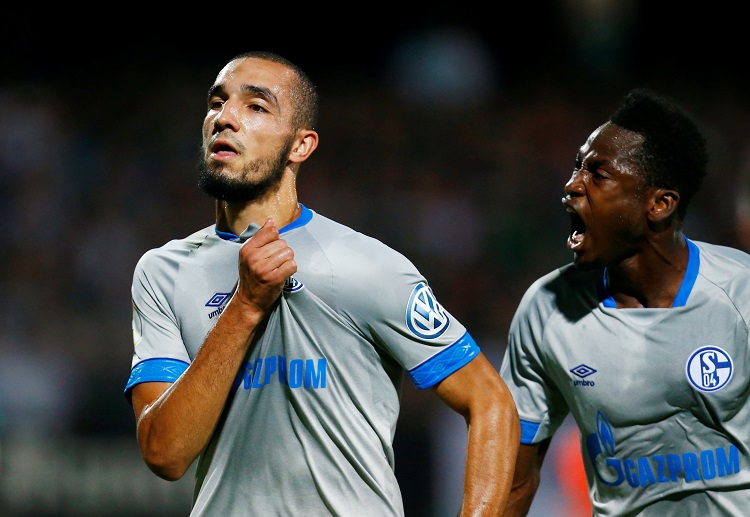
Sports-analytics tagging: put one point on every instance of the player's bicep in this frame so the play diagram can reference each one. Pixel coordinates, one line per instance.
(469, 384)
(145, 394)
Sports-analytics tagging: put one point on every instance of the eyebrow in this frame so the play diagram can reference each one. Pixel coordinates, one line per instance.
(257, 91)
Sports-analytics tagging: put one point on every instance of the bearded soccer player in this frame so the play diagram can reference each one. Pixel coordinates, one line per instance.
(271, 346)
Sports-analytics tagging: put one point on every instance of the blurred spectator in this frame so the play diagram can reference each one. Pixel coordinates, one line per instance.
(742, 202)
(443, 67)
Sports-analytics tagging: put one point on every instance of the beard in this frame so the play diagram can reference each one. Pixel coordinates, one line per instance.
(267, 172)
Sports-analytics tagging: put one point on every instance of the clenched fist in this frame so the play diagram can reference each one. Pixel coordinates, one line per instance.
(265, 262)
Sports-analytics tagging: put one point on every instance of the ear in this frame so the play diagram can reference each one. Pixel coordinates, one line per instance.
(304, 144)
(663, 205)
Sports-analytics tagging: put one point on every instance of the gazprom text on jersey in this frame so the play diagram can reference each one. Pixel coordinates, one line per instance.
(296, 373)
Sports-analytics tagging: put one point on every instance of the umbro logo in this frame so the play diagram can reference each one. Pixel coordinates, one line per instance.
(582, 371)
(218, 300)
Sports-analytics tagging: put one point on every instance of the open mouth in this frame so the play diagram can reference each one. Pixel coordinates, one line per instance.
(577, 229)
(221, 147)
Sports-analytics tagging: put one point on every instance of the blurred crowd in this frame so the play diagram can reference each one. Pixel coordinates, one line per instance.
(441, 156)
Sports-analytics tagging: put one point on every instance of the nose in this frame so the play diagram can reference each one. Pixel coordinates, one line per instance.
(574, 186)
(226, 118)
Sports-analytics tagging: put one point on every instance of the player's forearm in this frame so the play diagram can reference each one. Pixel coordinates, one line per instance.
(174, 430)
(490, 457)
(521, 496)
(526, 478)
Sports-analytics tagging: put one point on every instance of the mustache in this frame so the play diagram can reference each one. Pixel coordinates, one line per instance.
(226, 139)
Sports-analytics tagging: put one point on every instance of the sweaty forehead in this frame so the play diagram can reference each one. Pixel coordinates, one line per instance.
(239, 73)
(611, 140)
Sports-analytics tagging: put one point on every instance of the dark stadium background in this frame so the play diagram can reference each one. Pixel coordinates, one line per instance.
(100, 112)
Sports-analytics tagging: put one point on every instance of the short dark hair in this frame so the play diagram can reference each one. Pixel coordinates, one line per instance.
(304, 92)
(673, 154)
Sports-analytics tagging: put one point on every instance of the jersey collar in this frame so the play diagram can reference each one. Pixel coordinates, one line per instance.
(304, 217)
(688, 281)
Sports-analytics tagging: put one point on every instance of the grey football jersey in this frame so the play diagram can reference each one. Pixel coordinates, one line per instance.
(660, 395)
(309, 426)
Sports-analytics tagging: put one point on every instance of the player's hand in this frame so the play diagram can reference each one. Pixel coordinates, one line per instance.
(265, 262)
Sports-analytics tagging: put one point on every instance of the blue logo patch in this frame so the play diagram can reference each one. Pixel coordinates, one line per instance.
(582, 371)
(425, 317)
(709, 369)
(218, 299)
(292, 285)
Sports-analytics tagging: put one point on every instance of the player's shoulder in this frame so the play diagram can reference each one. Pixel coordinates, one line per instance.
(720, 258)
(354, 246)
(726, 268)
(359, 265)
(567, 290)
(563, 280)
(170, 254)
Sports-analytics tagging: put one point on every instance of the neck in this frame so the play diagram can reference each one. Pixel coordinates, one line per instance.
(281, 205)
(652, 277)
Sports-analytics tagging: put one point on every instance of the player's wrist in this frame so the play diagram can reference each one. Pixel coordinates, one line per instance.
(243, 313)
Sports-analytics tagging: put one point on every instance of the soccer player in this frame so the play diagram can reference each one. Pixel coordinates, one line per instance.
(644, 337)
(272, 344)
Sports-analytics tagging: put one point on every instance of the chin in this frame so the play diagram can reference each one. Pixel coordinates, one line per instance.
(583, 263)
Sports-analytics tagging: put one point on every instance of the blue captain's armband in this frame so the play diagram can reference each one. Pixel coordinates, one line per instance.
(444, 363)
(160, 369)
